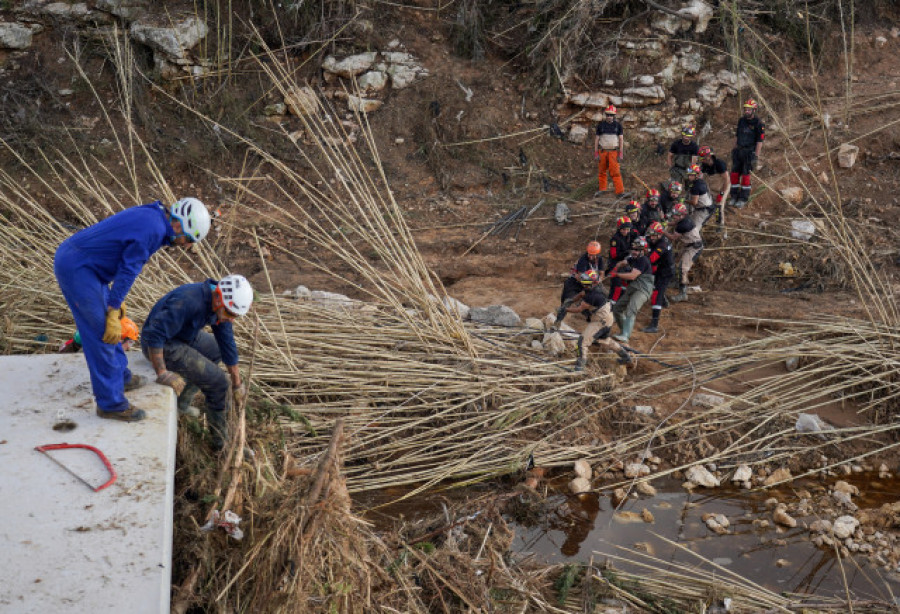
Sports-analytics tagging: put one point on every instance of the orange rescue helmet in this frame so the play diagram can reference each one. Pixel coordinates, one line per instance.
(129, 329)
(593, 248)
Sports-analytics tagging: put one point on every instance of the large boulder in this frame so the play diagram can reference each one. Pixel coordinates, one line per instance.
(14, 36)
(351, 65)
(172, 37)
(699, 475)
(126, 10)
(495, 315)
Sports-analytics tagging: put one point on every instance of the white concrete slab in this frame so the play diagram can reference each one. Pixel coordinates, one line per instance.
(63, 547)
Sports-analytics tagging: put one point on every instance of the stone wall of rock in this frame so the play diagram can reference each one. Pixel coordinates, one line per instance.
(171, 37)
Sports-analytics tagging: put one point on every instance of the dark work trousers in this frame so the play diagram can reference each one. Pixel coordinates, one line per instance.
(198, 364)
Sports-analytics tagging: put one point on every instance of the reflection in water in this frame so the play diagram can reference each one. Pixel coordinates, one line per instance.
(777, 558)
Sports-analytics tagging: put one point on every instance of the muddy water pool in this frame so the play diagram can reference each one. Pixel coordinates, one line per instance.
(782, 560)
(587, 528)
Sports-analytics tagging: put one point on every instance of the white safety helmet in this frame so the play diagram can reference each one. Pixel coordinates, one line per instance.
(194, 218)
(236, 293)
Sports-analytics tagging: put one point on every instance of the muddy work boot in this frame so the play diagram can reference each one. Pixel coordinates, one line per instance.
(579, 364)
(217, 421)
(135, 382)
(132, 414)
(681, 296)
(654, 324)
(184, 401)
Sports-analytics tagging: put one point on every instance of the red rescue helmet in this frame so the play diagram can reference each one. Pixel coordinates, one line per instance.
(589, 278)
(751, 104)
(639, 244)
(623, 221)
(675, 187)
(689, 131)
(632, 207)
(593, 248)
(655, 228)
(705, 151)
(611, 109)
(693, 169)
(679, 210)
(652, 194)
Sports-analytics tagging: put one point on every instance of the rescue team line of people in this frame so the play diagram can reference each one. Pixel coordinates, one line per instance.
(95, 269)
(641, 263)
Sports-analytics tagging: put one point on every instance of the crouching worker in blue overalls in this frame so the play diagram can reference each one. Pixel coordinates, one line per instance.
(186, 357)
(114, 251)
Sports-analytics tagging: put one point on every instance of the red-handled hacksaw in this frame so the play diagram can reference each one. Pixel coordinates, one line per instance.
(68, 446)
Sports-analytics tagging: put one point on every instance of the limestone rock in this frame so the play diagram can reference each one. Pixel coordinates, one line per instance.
(373, 81)
(534, 324)
(842, 486)
(332, 299)
(707, 400)
(717, 523)
(14, 36)
(78, 12)
(618, 496)
(126, 10)
(577, 133)
(691, 62)
(636, 470)
(579, 485)
(302, 292)
(847, 155)
(172, 37)
(536, 345)
(845, 526)
(820, 526)
(583, 469)
(643, 96)
(699, 475)
(495, 315)
(843, 500)
(742, 474)
(645, 488)
(793, 195)
(781, 474)
(647, 516)
(670, 24)
(351, 65)
(457, 307)
(554, 343)
(802, 229)
(363, 105)
(699, 13)
(597, 100)
(627, 517)
(781, 517)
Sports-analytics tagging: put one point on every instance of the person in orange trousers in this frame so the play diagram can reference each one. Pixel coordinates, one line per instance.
(609, 150)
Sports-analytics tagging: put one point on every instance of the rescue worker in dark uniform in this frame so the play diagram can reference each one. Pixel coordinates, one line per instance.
(619, 249)
(651, 211)
(596, 309)
(715, 172)
(609, 150)
(748, 142)
(590, 260)
(633, 211)
(662, 259)
(682, 153)
(672, 193)
(698, 196)
(637, 272)
(188, 357)
(687, 234)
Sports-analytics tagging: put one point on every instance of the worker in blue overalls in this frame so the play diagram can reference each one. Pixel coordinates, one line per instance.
(114, 251)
